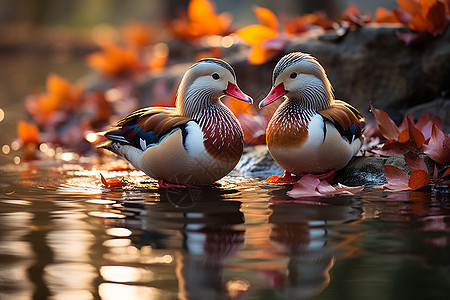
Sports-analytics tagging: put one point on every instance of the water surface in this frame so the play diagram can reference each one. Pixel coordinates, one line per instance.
(65, 236)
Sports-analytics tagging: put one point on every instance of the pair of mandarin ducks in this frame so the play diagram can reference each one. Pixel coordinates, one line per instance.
(199, 141)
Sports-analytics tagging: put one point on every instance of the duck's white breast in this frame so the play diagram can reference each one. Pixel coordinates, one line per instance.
(318, 153)
(180, 163)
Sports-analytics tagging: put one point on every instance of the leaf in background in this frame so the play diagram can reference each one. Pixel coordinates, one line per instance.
(418, 179)
(139, 34)
(396, 178)
(266, 17)
(387, 127)
(114, 60)
(28, 133)
(264, 39)
(319, 18)
(438, 148)
(424, 16)
(384, 15)
(353, 16)
(201, 20)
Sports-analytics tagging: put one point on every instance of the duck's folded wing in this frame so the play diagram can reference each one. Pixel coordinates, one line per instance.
(347, 119)
(146, 126)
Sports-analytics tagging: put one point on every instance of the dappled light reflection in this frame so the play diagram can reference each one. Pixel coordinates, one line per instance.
(16, 255)
(114, 291)
(205, 221)
(67, 236)
(70, 280)
(308, 234)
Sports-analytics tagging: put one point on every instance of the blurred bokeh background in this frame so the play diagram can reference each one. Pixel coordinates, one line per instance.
(52, 36)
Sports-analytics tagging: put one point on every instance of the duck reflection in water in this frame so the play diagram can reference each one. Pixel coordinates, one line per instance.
(309, 235)
(208, 224)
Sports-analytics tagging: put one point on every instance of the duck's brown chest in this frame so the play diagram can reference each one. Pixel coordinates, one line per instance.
(223, 136)
(287, 128)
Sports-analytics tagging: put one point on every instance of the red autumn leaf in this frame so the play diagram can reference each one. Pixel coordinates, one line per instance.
(435, 174)
(415, 162)
(105, 183)
(438, 148)
(310, 186)
(387, 127)
(348, 190)
(396, 178)
(418, 179)
(392, 148)
(415, 136)
(305, 187)
(112, 183)
(446, 173)
(411, 137)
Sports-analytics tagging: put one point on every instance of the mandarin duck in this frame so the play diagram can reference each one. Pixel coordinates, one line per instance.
(310, 132)
(197, 142)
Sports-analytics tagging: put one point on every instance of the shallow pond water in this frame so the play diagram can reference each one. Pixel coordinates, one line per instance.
(64, 236)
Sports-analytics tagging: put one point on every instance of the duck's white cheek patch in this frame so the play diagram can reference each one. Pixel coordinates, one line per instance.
(194, 139)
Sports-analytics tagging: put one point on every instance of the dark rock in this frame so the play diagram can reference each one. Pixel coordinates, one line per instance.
(361, 170)
(368, 64)
(257, 162)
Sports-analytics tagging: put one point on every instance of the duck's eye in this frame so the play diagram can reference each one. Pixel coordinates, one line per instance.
(215, 76)
(293, 75)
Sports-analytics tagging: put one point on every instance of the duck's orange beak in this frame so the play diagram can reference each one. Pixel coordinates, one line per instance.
(275, 93)
(233, 91)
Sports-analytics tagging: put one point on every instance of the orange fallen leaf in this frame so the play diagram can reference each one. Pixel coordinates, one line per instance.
(418, 179)
(112, 183)
(28, 133)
